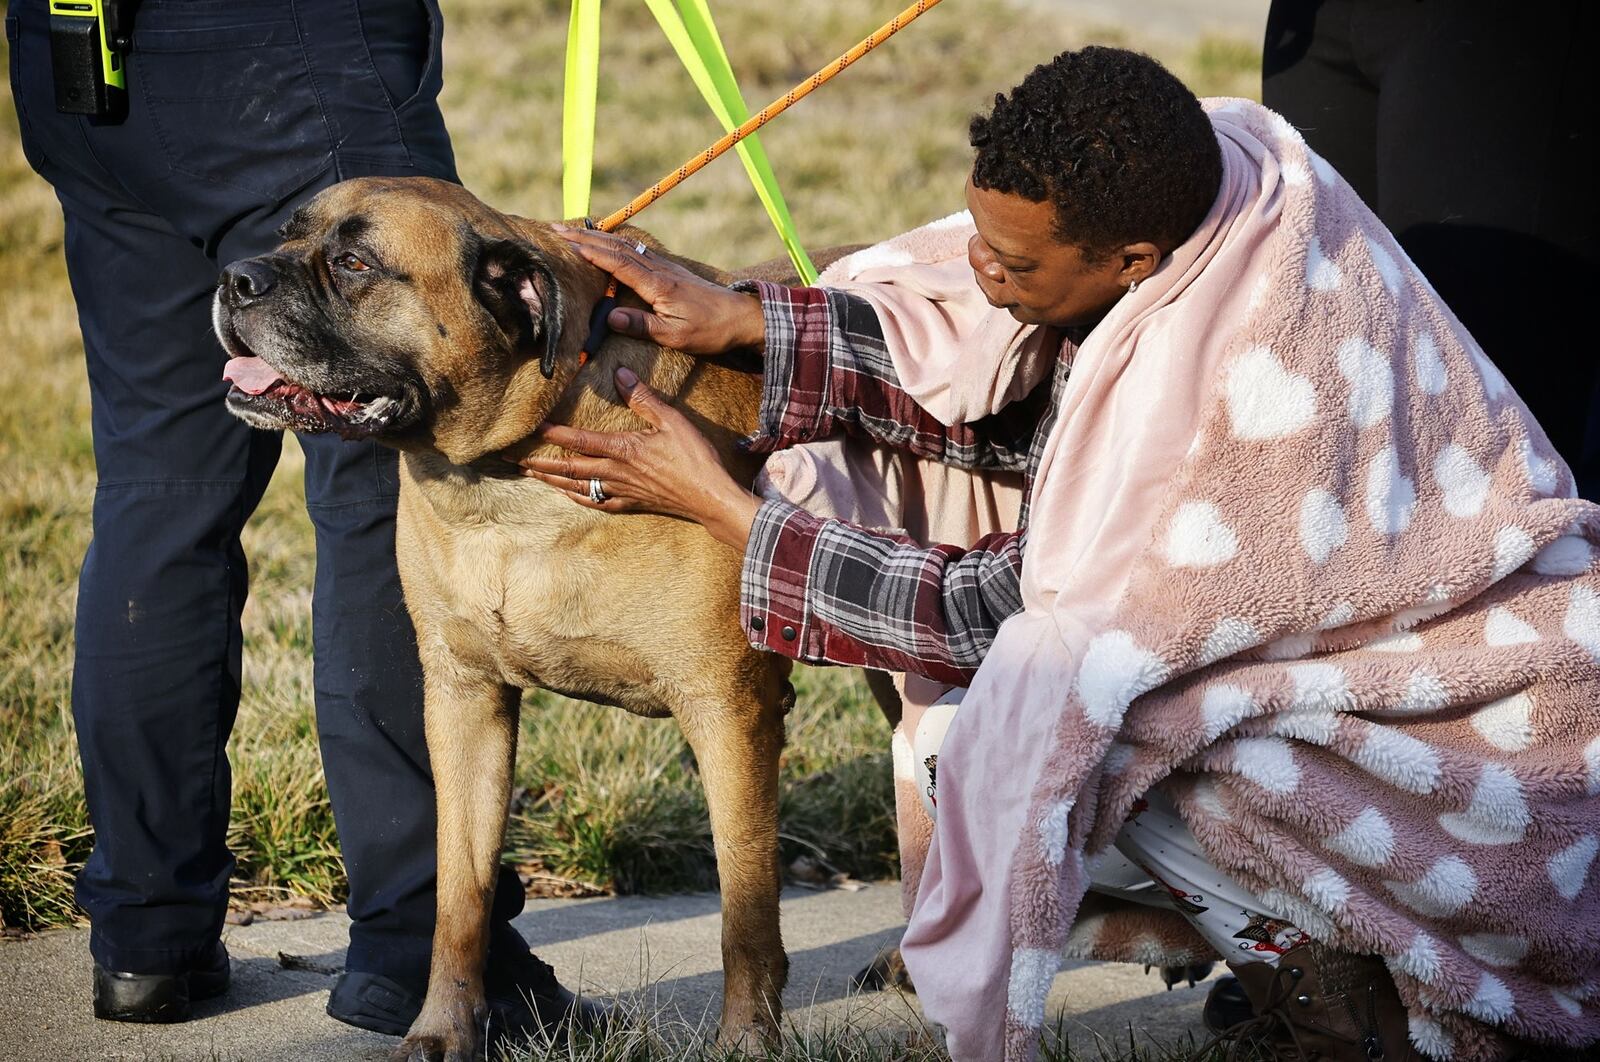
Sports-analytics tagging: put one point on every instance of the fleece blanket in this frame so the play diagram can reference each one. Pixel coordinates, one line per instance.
(1301, 557)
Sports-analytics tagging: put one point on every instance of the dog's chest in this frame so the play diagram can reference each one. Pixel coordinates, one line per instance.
(527, 597)
(524, 597)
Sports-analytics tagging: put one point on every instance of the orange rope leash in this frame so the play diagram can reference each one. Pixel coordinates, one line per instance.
(767, 113)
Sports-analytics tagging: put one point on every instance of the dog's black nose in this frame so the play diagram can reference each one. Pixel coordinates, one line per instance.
(248, 280)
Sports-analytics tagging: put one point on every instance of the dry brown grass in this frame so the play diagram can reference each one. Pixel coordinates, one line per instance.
(608, 800)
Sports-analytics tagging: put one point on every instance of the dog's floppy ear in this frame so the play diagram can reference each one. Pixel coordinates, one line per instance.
(516, 285)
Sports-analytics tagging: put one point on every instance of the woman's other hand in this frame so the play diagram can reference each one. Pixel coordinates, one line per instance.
(669, 467)
(687, 312)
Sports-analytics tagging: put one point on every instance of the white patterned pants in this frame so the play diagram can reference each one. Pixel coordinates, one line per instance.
(1155, 861)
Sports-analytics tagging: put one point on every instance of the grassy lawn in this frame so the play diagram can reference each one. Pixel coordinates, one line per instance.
(647, 1039)
(604, 801)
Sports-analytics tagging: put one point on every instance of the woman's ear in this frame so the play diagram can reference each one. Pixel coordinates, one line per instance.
(1139, 260)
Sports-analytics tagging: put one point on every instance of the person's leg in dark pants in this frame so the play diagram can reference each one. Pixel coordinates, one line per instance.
(1486, 157)
(383, 55)
(366, 662)
(156, 676)
(154, 206)
(1310, 76)
(1588, 467)
(1482, 148)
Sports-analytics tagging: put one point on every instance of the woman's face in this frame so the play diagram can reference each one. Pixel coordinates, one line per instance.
(1021, 266)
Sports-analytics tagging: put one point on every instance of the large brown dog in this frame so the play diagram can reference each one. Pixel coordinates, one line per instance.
(408, 311)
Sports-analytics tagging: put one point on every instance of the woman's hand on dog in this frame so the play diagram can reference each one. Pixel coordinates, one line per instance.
(687, 312)
(669, 467)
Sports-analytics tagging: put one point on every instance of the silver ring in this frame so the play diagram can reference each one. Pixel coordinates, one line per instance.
(640, 249)
(596, 494)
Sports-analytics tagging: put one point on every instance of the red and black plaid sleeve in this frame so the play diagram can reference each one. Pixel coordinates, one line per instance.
(824, 591)
(828, 371)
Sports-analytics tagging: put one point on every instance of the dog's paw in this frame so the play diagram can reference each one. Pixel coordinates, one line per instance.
(457, 1037)
(436, 1049)
(886, 970)
(753, 1036)
(419, 1049)
(1192, 973)
(752, 1040)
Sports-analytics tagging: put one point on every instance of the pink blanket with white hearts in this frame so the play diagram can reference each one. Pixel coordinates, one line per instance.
(1301, 556)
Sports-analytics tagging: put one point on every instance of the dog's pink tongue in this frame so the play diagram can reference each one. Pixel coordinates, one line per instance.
(250, 375)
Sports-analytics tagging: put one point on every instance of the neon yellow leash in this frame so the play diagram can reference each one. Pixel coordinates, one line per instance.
(694, 36)
(692, 32)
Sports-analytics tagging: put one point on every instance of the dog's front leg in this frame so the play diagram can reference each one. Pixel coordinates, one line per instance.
(472, 741)
(737, 751)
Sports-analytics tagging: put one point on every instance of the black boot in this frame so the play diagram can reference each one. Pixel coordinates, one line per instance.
(1227, 1005)
(158, 998)
(373, 1002)
(523, 994)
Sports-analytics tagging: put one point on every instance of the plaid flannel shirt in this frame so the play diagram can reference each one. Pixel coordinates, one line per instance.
(829, 591)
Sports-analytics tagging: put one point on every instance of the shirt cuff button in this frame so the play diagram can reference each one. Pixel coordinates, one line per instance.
(788, 634)
(757, 623)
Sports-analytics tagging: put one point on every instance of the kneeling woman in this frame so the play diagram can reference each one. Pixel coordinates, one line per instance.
(1296, 582)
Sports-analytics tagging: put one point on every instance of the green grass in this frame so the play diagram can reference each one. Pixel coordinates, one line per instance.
(615, 802)
(646, 1036)
(606, 802)
(649, 1038)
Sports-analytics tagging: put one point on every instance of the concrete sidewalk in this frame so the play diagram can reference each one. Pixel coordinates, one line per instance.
(663, 950)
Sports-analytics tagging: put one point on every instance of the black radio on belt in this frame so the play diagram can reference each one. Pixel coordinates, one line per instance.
(89, 42)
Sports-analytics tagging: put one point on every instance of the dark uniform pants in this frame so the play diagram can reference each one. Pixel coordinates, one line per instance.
(1469, 127)
(238, 111)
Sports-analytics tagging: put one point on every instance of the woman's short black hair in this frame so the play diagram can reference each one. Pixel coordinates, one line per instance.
(1119, 147)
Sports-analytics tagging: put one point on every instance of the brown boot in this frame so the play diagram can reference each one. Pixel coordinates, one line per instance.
(1321, 1005)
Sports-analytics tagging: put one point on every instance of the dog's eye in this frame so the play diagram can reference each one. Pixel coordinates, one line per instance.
(350, 262)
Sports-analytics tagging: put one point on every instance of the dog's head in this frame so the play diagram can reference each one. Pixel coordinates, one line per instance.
(404, 309)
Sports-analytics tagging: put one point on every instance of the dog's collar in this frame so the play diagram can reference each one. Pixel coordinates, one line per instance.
(599, 329)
